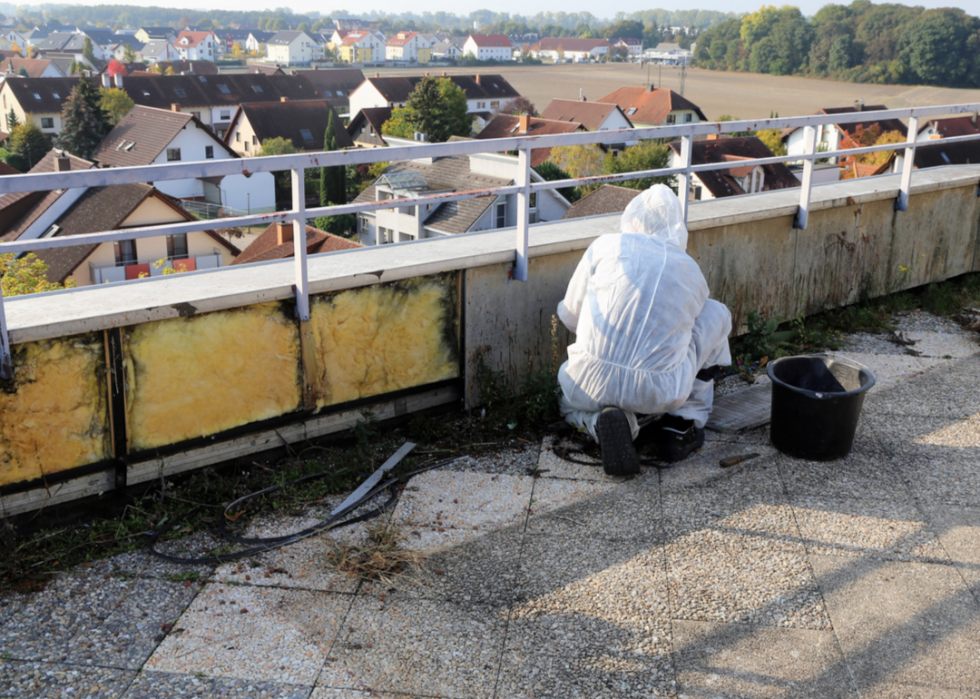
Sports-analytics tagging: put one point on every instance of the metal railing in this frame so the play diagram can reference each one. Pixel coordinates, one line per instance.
(523, 187)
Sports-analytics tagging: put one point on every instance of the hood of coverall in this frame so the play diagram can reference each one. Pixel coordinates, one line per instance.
(657, 211)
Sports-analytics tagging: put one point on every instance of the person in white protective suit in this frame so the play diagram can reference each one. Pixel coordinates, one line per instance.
(645, 329)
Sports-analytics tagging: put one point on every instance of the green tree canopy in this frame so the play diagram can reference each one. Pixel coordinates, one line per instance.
(28, 142)
(115, 103)
(551, 172)
(83, 123)
(26, 275)
(646, 155)
(88, 51)
(333, 180)
(436, 108)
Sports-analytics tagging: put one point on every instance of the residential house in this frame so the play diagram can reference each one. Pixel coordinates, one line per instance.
(12, 37)
(651, 107)
(950, 127)
(939, 153)
(257, 40)
(29, 214)
(362, 46)
(7, 45)
(196, 46)
(423, 176)
(100, 209)
(34, 67)
(291, 48)
(485, 94)
(632, 47)
(276, 243)
(61, 42)
(148, 136)
(118, 47)
(739, 178)
(41, 98)
(157, 51)
(148, 34)
(189, 67)
(488, 47)
(408, 47)
(593, 116)
(365, 128)
(227, 38)
(570, 49)
(669, 55)
(608, 199)
(262, 69)
(507, 126)
(446, 50)
(336, 85)
(832, 136)
(303, 123)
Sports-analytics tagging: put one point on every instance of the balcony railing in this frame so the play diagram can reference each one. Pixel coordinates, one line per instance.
(152, 266)
(298, 163)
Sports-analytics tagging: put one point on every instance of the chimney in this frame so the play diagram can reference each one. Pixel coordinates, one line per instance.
(106, 80)
(284, 232)
(858, 105)
(426, 75)
(650, 88)
(119, 80)
(174, 107)
(63, 164)
(377, 75)
(444, 74)
(525, 122)
(713, 137)
(477, 78)
(973, 120)
(283, 99)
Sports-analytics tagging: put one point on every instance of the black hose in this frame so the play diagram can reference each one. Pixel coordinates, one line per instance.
(274, 542)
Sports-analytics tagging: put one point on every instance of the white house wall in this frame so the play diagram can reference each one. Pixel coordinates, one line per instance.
(256, 193)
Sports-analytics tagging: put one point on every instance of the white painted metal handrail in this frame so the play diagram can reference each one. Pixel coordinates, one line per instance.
(523, 187)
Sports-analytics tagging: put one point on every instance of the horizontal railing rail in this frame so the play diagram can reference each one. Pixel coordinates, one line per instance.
(523, 187)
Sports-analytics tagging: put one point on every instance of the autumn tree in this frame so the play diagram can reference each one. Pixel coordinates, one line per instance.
(646, 155)
(580, 161)
(773, 140)
(521, 105)
(116, 104)
(26, 275)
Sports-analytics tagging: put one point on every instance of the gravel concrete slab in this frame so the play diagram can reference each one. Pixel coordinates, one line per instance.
(899, 431)
(552, 464)
(57, 681)
(958, 528)
(608, 510)
(940, 474)
(417, 646)
(327, 693)
(701, 470)
(448, 508)
(723, 577)
(891, 370)
(888, 530)
(945, 345)
(909, 624)
(764, 517)
(918, 691)
(165, 685)
(739, 660)
(756, 435)
(253, 633)
(514, 459)
(141, 564)
(94, 620)
(864, 473)
(481, 570)
(561, 575)
(948, 389)
(923, 321)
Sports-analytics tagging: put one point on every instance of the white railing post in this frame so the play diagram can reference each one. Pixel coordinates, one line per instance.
(6, 365)
(809, 148)
(297, 178)
(684, 181)
(902, 203)
(523, 180)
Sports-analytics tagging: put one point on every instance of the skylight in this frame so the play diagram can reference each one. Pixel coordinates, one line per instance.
(204, 79)
(180, 93)
(326, 93)
(224, 89)
(257, 88)
(37, 96)
(307, 135)
(56, 95)
(631, 112)
(405, 180)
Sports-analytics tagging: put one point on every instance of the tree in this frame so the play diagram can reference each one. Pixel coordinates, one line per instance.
(88, 51)
(12, 120)
(13, 160)
(872, 136)
(155, 68)
(83, 123)
(333, 180)
(646, 155)
(26, 275)
(169, 71)
(733, 134)
(236, 50)
(23, 72)
(551, 172)
(338, 225)
(521, 105)
(129, 56)
(303, 27)
(28, 142)
(116, 104)
(279, 146)
(579, 161)
(773, 140)
(436, 108)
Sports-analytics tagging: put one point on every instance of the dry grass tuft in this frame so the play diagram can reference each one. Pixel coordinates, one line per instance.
(380, 559)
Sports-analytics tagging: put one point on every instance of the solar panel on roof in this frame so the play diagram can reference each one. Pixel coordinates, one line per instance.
(405, 180)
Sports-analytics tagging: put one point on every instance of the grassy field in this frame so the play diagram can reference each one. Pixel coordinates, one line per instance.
(746, 95)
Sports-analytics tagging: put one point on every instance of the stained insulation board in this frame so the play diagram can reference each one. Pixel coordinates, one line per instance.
(198, 376)
(54, 415)
(385, 338)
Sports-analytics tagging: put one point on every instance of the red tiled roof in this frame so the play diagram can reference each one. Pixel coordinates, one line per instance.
(608, 199)
(505, 125)
(954, 126)
(650, 107)
(491, 40)
(267, 247)
(34, 67)
(193, 38)
(591, 115)
(401, 38)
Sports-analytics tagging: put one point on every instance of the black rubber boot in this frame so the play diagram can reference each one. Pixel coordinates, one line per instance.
(616, 443)
(679, 438)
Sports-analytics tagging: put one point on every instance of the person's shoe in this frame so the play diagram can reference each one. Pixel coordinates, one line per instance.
(616, 443)
(679, 438)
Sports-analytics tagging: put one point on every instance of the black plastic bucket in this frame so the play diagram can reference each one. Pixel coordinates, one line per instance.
(816, 403)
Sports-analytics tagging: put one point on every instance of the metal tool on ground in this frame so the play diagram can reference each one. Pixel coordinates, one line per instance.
(735, 460)
(374, 478)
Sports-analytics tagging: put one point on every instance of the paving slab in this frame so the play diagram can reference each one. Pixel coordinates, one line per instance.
(945, 345)
(948, 388)
(609, 512)
(165, 685)
(958, 528)
(407, 645)
(552, 463)
(891, 370)
(724, 577)
(253, 633)
(701, 470)
(755, 435)
(888, 530)
(94, 620)
(39, 680)
(140, 563)
(763, 517)
(327, 693)
(450, 508)
(937, 468)
(865, 473)
(911, 624)
(740, 660)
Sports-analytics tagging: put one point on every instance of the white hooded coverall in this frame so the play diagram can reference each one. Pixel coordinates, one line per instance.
(644, 326)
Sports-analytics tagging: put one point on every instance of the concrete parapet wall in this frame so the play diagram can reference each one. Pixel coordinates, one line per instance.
(212, 366)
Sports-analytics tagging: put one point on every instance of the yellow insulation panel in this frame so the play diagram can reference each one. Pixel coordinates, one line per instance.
(384, 338)
(54, 415)
(198, 376)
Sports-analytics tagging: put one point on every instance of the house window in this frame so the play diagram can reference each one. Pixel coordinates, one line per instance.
(307, 135)
(126, 252)
(255, 141)
(47, 122)
(177, 246)
(208, 152)
(501, 214)
(173, 154)
(495, 105)
(687, 118)
(246, 146)
(238, 136)
(533, 200)
(671, 118)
